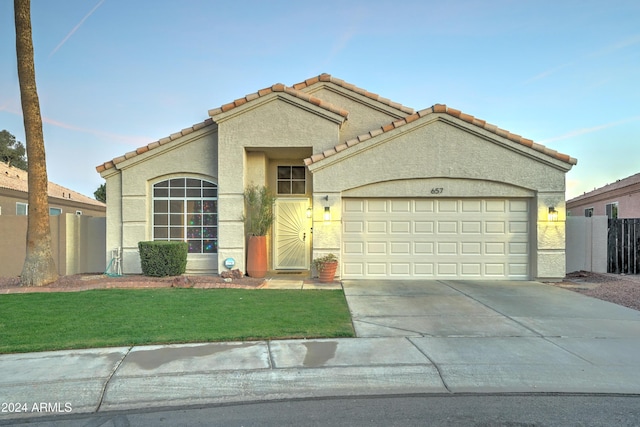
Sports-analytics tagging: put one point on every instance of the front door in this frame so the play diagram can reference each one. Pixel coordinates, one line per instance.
(292, 235)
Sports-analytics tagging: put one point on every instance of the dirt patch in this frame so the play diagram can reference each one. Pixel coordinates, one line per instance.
(618, 289)
(83, 282)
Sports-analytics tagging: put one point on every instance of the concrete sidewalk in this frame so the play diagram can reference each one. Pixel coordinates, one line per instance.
(427, 337)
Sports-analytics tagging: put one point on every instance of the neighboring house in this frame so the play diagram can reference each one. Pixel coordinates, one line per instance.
(14, 192)
(433, 194)
(620, 199)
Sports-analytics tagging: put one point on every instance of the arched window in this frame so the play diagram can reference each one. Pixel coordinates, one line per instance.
(186, 209)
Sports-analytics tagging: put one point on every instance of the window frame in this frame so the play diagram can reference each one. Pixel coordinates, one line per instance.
(26, 209)
(588, 212)
(187, 214)
(611, 210)
(290, 179)
(55, 214)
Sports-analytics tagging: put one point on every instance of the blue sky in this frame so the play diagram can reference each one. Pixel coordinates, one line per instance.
(114, 75)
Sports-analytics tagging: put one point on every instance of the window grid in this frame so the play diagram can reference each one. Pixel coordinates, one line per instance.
(186, 209)
(291, 180)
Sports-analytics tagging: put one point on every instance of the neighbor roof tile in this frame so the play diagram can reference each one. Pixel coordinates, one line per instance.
(15, 179)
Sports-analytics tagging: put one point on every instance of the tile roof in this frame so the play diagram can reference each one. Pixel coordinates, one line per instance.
(621, 183)
(16, 179)
(111, 163)
(329, 78)
(440, 108)
(279, 87)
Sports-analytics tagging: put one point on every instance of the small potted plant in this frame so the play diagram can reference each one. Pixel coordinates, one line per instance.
(326, 267)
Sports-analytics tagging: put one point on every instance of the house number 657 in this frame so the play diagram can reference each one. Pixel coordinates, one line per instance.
(437, 190)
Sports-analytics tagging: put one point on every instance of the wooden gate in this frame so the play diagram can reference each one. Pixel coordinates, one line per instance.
(623, 249)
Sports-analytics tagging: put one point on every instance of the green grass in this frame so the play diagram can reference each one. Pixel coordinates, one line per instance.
(112, 317)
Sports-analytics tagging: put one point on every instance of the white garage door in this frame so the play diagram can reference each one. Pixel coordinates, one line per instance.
(435, 238)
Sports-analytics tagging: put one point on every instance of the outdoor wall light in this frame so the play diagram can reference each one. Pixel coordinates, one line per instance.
(327, 213)
(553, 214)
(309, 212)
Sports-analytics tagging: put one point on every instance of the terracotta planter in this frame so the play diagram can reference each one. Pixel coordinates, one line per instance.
(328, 272)
(257, 256)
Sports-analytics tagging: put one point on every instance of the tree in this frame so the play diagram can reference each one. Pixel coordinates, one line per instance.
(101, 193)
(39, 268)
(12, 152)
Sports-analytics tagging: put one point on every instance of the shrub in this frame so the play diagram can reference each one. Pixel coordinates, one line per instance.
(163, 258)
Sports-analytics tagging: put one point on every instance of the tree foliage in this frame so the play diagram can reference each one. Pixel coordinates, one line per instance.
(101, 193)
(12, 152)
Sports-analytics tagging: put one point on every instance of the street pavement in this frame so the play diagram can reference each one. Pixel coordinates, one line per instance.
(413, 337)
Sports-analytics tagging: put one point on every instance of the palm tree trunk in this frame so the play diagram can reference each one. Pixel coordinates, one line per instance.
(39, 268)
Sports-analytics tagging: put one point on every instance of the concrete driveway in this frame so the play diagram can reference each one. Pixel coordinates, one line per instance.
(483, 309)
(505, 333)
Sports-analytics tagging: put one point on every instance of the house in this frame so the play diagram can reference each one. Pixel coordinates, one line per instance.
(620, 199)
(77, 226)
(14, 192)
(432, 194)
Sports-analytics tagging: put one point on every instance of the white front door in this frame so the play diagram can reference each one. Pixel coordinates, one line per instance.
(291, 235)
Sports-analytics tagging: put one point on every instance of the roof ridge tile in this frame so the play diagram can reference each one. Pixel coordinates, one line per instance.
(443, 109)
(328, 78)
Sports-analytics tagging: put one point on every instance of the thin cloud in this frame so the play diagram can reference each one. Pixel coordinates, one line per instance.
(125, 139)
(136, 141)
(547, 73)
(72, 32)
(585, 131)
(621, 44)
(617, 46)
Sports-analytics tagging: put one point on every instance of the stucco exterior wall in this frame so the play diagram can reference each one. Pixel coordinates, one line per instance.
(9, 198)
(129, 194)
(446, 150)
(364, 113)
(628, 200)
(587, 244)
(276, 123)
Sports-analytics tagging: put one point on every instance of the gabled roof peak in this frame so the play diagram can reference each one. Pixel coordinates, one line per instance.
(324, 77)
(279, 87)
(441, 108)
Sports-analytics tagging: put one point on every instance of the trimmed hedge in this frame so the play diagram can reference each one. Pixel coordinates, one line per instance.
(163, 258)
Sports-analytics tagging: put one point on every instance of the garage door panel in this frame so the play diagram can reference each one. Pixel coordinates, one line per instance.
(447, 227)
(400, 248)
(423, 227)
(424, 205)
(376, 206)
(471, 227)
(353, 226)
(376, 269)
(432, 238)
(376, 248)
(377, 227)
(471, 248)
(400, 206)
(447, 206)
(400, 227)
(471, 269)
(423, 248)
(353, 248)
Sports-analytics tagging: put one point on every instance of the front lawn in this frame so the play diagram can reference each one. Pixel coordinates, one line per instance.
(120, 317)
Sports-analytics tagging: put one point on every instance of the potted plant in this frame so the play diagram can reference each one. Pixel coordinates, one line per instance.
(258, 218)
(326, 267)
